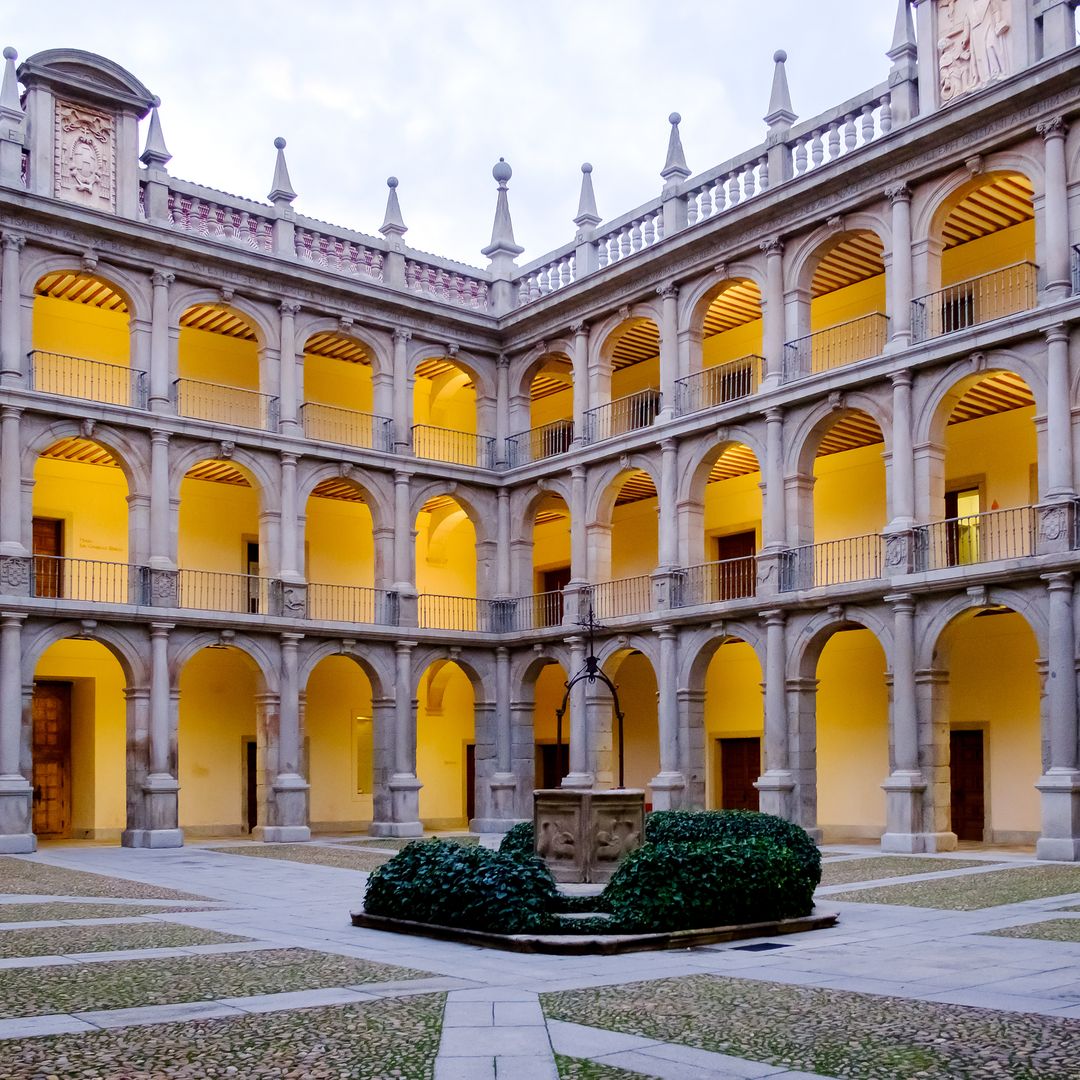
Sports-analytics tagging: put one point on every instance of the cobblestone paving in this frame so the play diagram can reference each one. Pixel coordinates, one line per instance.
(1049, 930)
(55, 910)
(122, 984)
(21, 877)
(838, 1033)
(396, 843)
(579, 1069)
(369, 1041)
(65, 940)
(974, 891)
(315, 854)
(847, 871)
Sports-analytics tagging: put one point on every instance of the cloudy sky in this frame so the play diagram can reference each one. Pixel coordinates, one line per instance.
(436, 92)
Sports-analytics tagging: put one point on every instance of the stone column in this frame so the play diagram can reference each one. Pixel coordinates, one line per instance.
(288, 406)
(777, 783)
(669, 349)
(579, 775)
(1058, 284)
(899, 195)
(290, 822)
(16, 792)
(581, 378)
(290, 568)
(12, 354)
(163, 573)
(403, 784)
(771, 560)
(903, 456)
(502, 405)
(668, 540)
(669, 785)
(774, 315)
(1060, 785)
(503, 586)
(579, 537)
(503, 783)
(1059, 436)
(402, 405)
(11, 539)
(160, 344)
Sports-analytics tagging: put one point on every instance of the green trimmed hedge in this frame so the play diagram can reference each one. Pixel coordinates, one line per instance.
(519, 841)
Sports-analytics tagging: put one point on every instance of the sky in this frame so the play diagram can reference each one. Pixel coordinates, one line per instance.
(434, 93)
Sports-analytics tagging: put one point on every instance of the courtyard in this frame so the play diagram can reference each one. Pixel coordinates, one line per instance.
(200, 962)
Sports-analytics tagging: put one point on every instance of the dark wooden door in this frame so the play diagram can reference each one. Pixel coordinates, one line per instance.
(553, 581)
(966, 771)
(52, 758)
(470, 782)
(251, 784)
(551, 767)
(740, 766)
(251, 567)
(735, 579)
(48, 541)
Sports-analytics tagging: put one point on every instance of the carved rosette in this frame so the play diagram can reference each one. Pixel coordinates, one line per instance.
(972, 45)
(84, 159)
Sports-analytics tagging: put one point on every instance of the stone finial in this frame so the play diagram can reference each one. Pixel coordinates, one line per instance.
(675, 162)
(903, 43)
(10, 107)
(393, 224)
(502, 230)
(781, 114)
(282, 189)
(586, 208)
(155, 152)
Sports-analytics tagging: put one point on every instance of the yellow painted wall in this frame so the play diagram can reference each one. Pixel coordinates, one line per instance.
(339, 543)
(551, 547)
(447, 401)
(745, 340)
(640, 376)
(977, 257)
(340, 726)
(444, 726)
(63, 326)
(732, 506)
(342, 383)
(636, 683)
(734, 705)
(852, 302)
(994, 684)
(98, 734)
(445, 553)
(92, 502)
(217, 715)
(852, 735)
(218, 359)
(1000, 450)
(547, 410)
(214, 520)
(849, 494)
(550, 687)
(634, 539)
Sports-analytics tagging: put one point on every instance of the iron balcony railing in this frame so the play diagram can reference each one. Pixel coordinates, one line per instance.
(211, 590)
(625, 596)
(834, 562)
(90, 380)
(435, 612)
(230, 405)
(537, 443)
(329, 423)
(352, 604)
(717, 385)
(1076, 268)
(522, 613)
(976, 538)
(715, 582)
(59, 578)
(976, 300)
(836, 346)
(458, 447)
(621, 415)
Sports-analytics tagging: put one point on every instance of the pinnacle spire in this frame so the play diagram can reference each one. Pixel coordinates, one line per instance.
(393, 224)
(675, 162)
(10, 107)
(586, 210)
(282, 189)
(502, 230)
(903, 43)
(780, 112)
(155, 153)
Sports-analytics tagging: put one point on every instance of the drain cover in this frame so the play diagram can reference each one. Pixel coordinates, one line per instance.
(761, 946)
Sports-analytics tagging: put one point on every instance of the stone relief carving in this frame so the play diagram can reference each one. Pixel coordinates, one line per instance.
(1054, 524)
(973, 47)
(84, 161)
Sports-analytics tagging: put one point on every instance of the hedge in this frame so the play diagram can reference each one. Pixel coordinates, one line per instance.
(519, 841)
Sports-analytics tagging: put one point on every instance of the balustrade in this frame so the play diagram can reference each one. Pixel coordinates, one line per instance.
(622, 415)
(976, 538)
(239, 223)
(558, 270)
(231, 405)
(329, 423)
(539, 442)
(458, 447)
(449, 285)
(211, 590)
(976, 300)
(352, 604)
(836, 346)
(339, 254)
(59, 578)
(89, 380)
(435, 612)
(624, 596)
(719, 384)
(834, 562)
(715, 582)
(822, 141)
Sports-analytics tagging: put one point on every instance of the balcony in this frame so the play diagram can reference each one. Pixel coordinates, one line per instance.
(715, 582)
(229, 405)
(845, 343)
(976, 538)
(835, 562)
(211, 590)
(718, 385)
(352, 604)
(456, 447)
(436, 612)
(57, 578)
(347, 427)
(625, 596)
(88, 380)
(539, 442)
(1076, 269)
(974, 301)
(623, 414)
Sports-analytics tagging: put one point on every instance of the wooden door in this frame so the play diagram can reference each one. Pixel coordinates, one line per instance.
(966, 772)
(48, 541)
(52, 758)
(735, 579)
(251, 784)
(553, 581)
(740, 766)
(551, 767)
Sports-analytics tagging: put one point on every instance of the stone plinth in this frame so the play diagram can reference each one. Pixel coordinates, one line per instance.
(582, 834)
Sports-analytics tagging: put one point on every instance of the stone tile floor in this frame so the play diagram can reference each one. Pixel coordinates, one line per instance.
(447, 1011)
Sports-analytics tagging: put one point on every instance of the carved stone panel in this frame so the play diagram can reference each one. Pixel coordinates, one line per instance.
(84, 160)
(972, 45)
(583, 835)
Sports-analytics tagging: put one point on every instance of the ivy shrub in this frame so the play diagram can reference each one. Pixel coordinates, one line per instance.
(444, 883)
(696, 826)
(685, 886)
(519, 841)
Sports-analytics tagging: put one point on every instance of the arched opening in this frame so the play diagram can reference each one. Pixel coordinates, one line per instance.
(445, 746)
(623, 551)
(339, 553)
(635, 679)
(80, 525)
(339, 721)
(81, 340)
(552, 762)
(631, 361)
(221, 546)
(339, 402)
(550, 412)
(78, 742)
(734, 726)
(223, 772)
(550, 558)
(985, 693)
(218, 369)
(982, 251)
(445, 419)
(731, 347)
(446, 565)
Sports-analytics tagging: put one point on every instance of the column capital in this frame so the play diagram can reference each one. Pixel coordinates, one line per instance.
(899, 192)
(669, 446)
(773, 617)
(668, 291)
(289, 459)
(774, 415)
(1058, 582)
(401, 476)
(580, 327)
(402, 337)
(502, 361)
(771, 246)
(12, 241)
(1057, 332)
(665, 632)
(162, 279)
(291, 639)
(160, 435)
(289, 307)
(901, 378)
(904, 603)
(403, 648)
(161, 629)
(1053, 127)
(577, 472)
(12, 618)
(10, 412)
(502, 653)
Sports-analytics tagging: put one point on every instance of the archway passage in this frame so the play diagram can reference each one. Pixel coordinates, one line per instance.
(446, 746)
(339, 401)
(734, 726)
(551, 412)
(339, 553)
(635, 680)
(731, 347)
(552, 761)
(551, 570)
(624, 549)
(445, 419)
(632, 364)
(81, 340)
(446, 565)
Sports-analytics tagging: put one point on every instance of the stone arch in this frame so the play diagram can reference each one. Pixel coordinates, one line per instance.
(478, 505)
(525, 500)
(378, 345)
(134, 290)
(805, 255)
(606, 485)
(129, 649)
(464, 361)
(129, 455)
(252, 464)
(601, 333)
(266, 330)
(698, 648)
(696, 464)
(266, 660)
(811, 638)
(378, 668)
(525, 667)
(378, 495)
(523, 368)
(426, 658)
(646, 644)
(696, 296)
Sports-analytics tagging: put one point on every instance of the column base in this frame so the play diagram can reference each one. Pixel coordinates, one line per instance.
(1060, 797)
(152, 838)
(404, 808)
(289, 810)
(903, 804)
(918, 843)
(668, 790)
(776, 793)
(407, 829)
(503, 789)
(16, 815)
(581, 781)
(282, 834)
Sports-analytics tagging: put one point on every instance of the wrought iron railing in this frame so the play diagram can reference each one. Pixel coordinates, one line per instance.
(211, 590)
(60, 578)
(621, 415)
(537, 443)
(458, 447)
(1076, 268)
(90, 380)
(521, 613)
(230, 405)
(976, 300)
(976, 538)
(836, 346)
(715, 582)
(352, 604)
(625, 596)
(716, 385)
(834, 562)
(348, 427)
(435, 612)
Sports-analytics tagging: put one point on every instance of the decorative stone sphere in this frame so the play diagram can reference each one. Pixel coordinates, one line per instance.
(391, 181)
(586, 168)
(279, 143)
(10, 53)
(779, 57)
(155, 101)
(502, 172)
(674, 118)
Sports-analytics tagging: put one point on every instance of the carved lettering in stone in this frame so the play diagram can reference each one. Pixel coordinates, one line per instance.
(84, 161)
(973, 46)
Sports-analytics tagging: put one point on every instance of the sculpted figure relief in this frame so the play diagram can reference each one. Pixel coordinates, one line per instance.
(973, 47)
